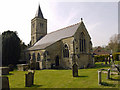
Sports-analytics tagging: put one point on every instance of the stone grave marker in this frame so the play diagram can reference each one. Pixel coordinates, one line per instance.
(99, 77)
(115, 68)
(108, 74)
(5, 83)
(75, 70)
(22, 67)
(29, 79)
(4, 70)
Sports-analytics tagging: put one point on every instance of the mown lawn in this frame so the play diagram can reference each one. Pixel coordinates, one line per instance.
(88, 78)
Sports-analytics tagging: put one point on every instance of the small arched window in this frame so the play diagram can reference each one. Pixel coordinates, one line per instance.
(65, 51)
(82, 43)
(33, 56)
(46, 53)
(29, 56)
(38, 57)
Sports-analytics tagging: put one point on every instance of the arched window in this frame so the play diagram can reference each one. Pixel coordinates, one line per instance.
(46, 53)
(38, 57)
(33, 56)
(65, 51)
(82, 43)
(29, 56)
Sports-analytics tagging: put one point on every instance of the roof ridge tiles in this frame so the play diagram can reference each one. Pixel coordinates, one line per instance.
(64, 28)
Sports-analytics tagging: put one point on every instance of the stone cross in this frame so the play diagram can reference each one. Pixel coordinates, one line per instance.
(75, 70)
(108, 74)
(99, 77)
(29, 79)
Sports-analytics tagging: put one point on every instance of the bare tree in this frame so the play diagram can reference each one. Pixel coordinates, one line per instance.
(114, 43)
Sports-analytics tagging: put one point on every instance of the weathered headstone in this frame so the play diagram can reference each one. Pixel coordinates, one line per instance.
(5, 83)
(115, 67)
(4, 70)
(22, 67)
(108, 74)
(75, 70)
(29, 79)
(99, 77)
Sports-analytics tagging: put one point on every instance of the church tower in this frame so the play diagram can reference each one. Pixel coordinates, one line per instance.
(38, 26)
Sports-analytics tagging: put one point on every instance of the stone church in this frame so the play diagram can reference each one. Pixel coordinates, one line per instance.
(61, 48)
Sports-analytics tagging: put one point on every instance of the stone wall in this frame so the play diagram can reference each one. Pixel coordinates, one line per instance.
(36, 30)
(83, 59)
(67, 62)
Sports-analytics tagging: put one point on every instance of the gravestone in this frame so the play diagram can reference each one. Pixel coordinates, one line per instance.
(115, 67)
(22, 67)
(5, 83)
(108, 74)
(29, 79)
(4, 70)
(75, 70)
(99, 77)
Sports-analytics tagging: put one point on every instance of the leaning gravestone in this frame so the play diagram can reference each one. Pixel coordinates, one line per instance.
(75, 70)
(29, 79)
(5, 83)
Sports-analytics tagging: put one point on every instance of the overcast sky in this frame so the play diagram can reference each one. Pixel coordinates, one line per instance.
(100, 18)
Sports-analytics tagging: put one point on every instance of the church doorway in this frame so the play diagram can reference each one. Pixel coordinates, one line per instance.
(57, 61)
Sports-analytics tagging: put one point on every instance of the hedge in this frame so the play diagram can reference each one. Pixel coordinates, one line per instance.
(116, 56)
(101, 58)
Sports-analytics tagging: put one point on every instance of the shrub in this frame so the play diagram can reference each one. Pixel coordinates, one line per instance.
(100, 58)
(116, 56)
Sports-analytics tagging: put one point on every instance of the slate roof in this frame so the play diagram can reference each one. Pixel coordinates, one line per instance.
(55, 36)
(39, 13)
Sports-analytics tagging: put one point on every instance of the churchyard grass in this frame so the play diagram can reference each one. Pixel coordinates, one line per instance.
(88, 78)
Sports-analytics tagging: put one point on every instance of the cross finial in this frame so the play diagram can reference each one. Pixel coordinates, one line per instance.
(81, 19)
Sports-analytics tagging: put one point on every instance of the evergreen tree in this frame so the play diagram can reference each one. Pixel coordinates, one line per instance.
(10, 48)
